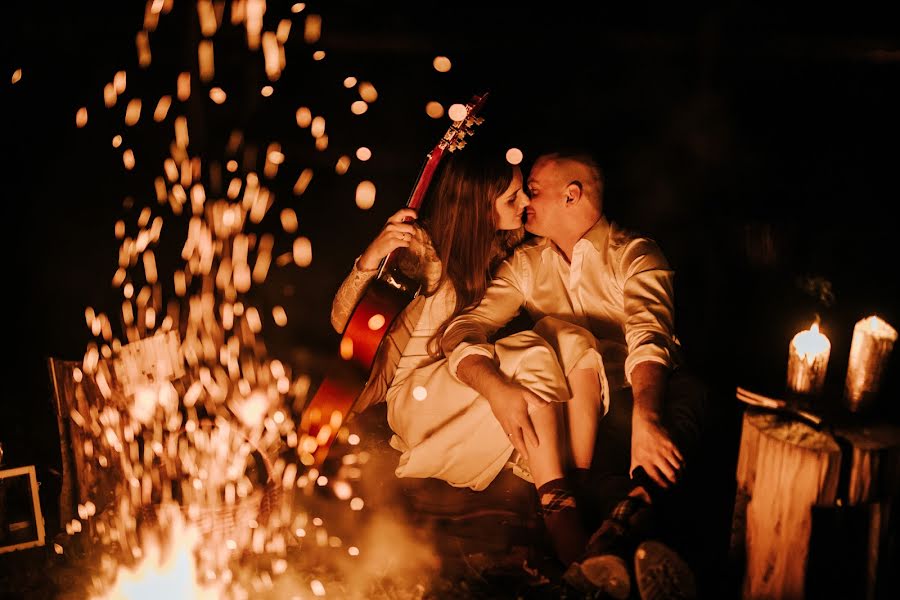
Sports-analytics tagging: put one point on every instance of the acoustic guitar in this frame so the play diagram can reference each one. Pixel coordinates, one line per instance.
(386, 296)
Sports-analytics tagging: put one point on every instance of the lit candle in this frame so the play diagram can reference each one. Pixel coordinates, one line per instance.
(808, 361)
(873, 340)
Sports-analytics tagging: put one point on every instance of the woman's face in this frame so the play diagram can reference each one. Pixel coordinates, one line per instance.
(510, 205)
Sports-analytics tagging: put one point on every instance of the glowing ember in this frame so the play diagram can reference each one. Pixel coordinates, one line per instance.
(312, 29)
(342, 165)
(218, 96)
(133, 111)
(359, 107)
(363, 153)
(457, 112)
(514, 156)
(367, 92)
(434, 110)
(441, 64)
(16, 76)
(365, 195)
(349, 82)
(81, 117)
(304, 117)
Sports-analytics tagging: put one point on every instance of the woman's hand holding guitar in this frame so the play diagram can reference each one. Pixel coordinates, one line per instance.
(398, 233)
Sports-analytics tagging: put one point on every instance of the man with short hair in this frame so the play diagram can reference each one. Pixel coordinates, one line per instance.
(603, 298)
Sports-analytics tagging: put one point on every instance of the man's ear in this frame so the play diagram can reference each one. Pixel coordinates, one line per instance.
(574, 192)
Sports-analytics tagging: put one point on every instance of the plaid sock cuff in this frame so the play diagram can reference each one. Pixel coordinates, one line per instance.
(556, 496)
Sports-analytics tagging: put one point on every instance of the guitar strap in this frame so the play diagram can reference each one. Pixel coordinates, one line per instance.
(384, 367)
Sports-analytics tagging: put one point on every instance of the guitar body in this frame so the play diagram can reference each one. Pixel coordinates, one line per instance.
(386, 296)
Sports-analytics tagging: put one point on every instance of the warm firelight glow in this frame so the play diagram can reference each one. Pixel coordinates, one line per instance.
(142, 41)
(133, 111)
(317, 127)
(346, 349)
(376, 322)
(312, 29)
(267, 90)
(289, 220)
(514, 156)
(349, 82)
(162, 108)
(365, 195)
(165, 570)
(302, 252)
(359, 107)
(304, 117)
(457, 112)
(205, 57)
(81, 117)
(217, 95)
(303, 181)
(363, 153)
(342, 165)
(808, 361)
(183, 86)
(16, 76)
(434, 110)
(441, 64)
(319, 55)
(367, 92)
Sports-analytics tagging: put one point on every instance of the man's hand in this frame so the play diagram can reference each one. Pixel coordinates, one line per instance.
(653, 449)
(651, 445)
(509, 401)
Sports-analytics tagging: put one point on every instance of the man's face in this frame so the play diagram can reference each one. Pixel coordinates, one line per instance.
(548, 198)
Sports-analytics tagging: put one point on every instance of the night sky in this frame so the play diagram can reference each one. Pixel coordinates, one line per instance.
(759, 147)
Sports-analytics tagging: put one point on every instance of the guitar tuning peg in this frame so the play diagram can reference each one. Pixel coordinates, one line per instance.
(478, 120)
(461, 144)
(462, 133)
(452, 147)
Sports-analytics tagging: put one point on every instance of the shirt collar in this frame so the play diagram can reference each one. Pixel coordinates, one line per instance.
(597, 235)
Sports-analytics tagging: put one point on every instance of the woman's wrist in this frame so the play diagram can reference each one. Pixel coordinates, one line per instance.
(362, 265)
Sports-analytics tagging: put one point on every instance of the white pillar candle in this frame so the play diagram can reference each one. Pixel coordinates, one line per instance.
(808, 361)
(873, 340)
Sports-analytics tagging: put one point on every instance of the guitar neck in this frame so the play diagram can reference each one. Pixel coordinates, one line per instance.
(425, 176)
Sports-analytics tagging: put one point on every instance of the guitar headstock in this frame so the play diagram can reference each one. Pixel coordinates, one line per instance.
(454, 139)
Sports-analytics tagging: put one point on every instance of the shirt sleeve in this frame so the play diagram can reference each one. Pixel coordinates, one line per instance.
(648, 290)
(348, 295)
(469, 333)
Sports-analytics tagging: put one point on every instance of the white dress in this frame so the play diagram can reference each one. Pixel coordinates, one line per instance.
(442, 427)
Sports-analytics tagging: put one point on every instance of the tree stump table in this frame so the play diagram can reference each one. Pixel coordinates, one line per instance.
(813, 508)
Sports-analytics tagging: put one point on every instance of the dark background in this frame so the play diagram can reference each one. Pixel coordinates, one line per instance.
(758, 145)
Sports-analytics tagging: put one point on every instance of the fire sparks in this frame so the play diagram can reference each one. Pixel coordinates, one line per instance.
(365, 195)
(441, 64)
(434, 110)
(200, 428)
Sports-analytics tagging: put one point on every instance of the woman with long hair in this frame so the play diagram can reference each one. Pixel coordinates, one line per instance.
(444, 428)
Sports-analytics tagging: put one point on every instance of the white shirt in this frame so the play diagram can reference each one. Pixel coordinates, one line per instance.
(618, 286)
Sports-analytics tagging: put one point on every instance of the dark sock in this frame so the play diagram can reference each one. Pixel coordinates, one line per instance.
(562, 519)
(586, 497)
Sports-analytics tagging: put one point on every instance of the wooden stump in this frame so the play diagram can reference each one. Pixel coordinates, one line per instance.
(786, 469)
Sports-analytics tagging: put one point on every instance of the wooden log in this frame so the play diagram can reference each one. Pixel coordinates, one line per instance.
(786, 469)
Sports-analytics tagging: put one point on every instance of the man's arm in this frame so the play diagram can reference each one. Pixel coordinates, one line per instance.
(471, 358)
(648, 292)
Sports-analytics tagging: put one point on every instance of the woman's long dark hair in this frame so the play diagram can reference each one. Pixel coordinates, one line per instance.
(463, 226)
